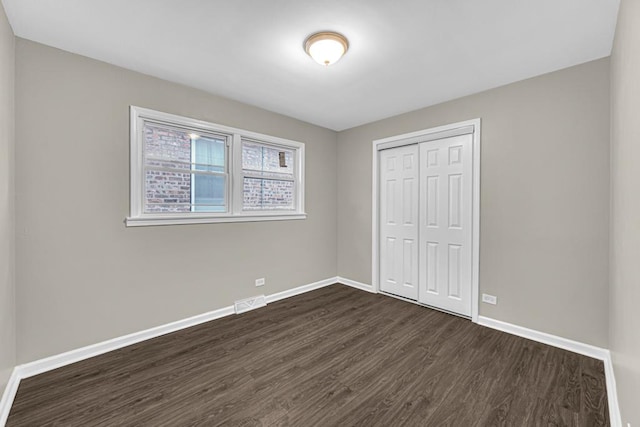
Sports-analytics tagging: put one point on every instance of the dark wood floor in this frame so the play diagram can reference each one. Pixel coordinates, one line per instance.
(333, 357)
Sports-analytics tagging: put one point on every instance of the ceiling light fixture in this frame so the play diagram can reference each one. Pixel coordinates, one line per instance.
(326, 47)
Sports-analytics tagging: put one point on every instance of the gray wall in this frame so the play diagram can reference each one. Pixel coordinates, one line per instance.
(7, 288)
(83, 276)
(544, 198)
(625, 210)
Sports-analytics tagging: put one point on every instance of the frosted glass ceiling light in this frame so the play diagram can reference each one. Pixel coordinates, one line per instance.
(326, 48)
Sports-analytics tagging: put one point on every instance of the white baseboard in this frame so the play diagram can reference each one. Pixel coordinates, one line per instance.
(612, 392)
(9, 394)
(53, 362)
(357, 285)
(543, 337)
(570, 345)
(301, 290)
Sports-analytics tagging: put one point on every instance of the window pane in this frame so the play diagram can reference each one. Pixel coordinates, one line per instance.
(267, 160)
(167, 147)
(267, 194)
(168, 152)
(171, 192)
(209, 154)
(167, 191)
(208, 193)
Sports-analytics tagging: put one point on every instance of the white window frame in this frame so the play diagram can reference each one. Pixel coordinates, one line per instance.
(234, 193)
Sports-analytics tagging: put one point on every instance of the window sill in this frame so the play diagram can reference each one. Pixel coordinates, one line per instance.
(178, 220)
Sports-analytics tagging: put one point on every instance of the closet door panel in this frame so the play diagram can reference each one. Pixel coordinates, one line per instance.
(446, 223)
(399, 217)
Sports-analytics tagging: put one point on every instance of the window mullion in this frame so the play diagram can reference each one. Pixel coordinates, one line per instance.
(272, 177)
(192, 181)
(184, 171)
(236, 174)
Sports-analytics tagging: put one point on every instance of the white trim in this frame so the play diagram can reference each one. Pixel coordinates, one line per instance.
(414, 138)
(53, 362)
(167, 220)
(9, 394)
(357, 285)
(375, 227)
(236, 164)
(570, 345)
(215, 128)
(418, 137)
(615, 417)
(475, 269)
(545, 338)
(301, 290)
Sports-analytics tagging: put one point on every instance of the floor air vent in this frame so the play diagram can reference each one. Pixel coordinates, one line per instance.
(250, 304)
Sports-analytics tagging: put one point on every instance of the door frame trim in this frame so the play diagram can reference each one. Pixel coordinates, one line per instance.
(414, 138)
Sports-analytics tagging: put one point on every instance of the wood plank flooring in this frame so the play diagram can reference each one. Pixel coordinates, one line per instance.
(332, 357)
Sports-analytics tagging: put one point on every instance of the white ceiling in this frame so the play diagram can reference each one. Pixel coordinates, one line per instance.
(404, 54)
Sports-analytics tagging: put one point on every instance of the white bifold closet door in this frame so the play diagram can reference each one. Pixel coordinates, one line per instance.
(426, 222)
(446, 167)
(399, 181)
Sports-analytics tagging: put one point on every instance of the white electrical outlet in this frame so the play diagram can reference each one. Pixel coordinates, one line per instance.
(489, 299)
(260, 282)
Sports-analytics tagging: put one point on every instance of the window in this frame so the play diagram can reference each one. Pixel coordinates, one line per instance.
(268, 179)
(189, 171)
